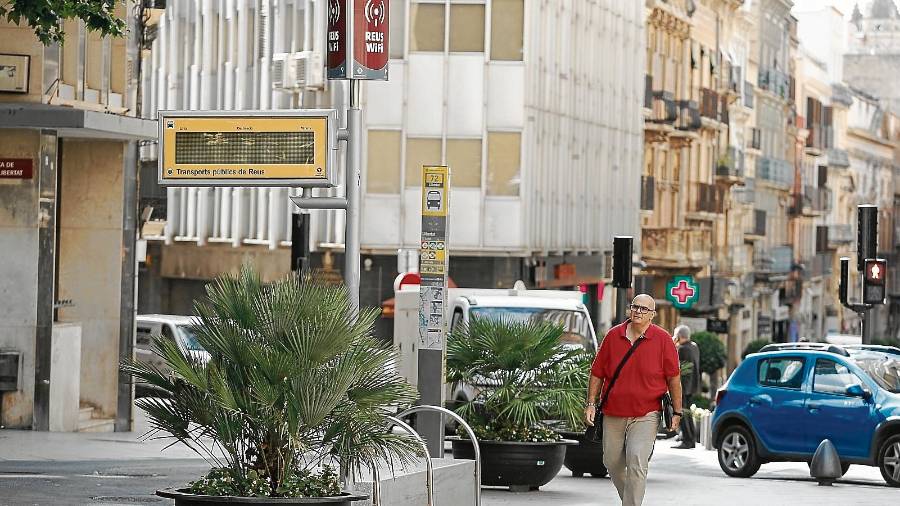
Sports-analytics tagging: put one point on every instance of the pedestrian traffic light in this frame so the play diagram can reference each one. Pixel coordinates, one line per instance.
(622, 261)
(873, 283)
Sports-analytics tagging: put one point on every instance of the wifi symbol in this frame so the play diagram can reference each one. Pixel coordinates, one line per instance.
(375, 12)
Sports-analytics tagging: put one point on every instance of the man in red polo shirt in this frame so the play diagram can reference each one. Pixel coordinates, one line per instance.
(632, 412)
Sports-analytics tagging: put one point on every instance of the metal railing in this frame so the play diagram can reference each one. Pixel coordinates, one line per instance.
(688, 115)
(429, 466)
(774, 170)
(664, 107)
(732, 164)
(469, 431)
(777, 260)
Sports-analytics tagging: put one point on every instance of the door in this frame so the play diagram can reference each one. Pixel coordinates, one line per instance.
(847, 420)
(777, 409)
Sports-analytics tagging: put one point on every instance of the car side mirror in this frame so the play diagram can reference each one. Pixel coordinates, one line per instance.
(859, 391)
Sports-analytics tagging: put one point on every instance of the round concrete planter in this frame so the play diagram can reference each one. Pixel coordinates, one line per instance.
(184, 498)
(584, 458)
(517, 465)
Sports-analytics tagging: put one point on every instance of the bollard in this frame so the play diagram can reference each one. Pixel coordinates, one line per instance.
(826, 465)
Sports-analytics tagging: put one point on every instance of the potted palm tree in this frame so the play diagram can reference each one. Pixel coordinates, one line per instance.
(294, 388)
(525, 378)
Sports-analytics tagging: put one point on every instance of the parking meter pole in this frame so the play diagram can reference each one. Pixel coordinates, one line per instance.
(351, 227)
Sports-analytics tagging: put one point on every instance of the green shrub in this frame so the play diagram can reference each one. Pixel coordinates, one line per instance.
(712, 351)
(754, 347)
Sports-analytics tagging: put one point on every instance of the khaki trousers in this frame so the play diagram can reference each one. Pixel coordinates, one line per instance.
(627, 447)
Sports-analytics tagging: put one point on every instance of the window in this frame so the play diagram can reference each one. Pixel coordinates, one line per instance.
(507, 23)
(503, 163)
(464, 159)
(397, 28)
(781, 372)
(467, 28)
(427, 27)
(833, 378)
(383, 169)
(420, 152)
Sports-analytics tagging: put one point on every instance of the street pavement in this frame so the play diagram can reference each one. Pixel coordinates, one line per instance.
(38, 468)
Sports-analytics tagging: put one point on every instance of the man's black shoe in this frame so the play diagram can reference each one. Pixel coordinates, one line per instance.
(683, 446)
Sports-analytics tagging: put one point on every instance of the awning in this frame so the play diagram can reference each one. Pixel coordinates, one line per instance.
(71, 122)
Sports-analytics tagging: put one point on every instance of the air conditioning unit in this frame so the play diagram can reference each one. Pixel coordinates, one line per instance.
(310, 69)
(295, 71)
(284, 71)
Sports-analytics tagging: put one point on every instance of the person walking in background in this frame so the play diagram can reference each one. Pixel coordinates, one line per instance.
(689, 357)
(636, 364)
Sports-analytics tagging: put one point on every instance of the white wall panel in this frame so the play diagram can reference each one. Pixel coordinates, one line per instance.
(381, 221)
(465, 218)
(465, 95)
(384, 99)
(503, 223)
(506, 100)
(425, 114)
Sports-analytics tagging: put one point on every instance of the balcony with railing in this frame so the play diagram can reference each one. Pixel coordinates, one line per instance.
(731, 165)
(838, 158)
(734, 260)
(818, 265)
(773, 261)
(775, 171)
(776, 82)
(745, 193)
(707, 198)
(813, 201)
(840, 234)
(676, 247)
(665, 109)
(688, 115)
(648, 193)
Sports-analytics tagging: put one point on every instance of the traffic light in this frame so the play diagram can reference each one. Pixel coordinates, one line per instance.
(866, 234)
(622, 261)
(873, 283)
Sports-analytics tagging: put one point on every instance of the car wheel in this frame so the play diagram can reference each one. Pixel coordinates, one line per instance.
(737, 453)
(889, 460)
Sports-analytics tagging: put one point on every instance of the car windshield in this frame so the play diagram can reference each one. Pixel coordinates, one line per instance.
(189, 339)
(882, 367)
(576, 330)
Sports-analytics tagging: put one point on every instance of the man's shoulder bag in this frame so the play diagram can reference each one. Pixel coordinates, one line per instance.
(594, 433)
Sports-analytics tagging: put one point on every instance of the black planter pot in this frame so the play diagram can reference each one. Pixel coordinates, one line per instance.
(584, 458)
(184, 498)
(519, 466)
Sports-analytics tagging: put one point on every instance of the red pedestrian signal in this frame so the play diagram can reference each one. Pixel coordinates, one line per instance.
(874, 285)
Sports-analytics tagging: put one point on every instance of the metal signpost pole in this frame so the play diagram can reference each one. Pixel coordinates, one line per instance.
(351, 226)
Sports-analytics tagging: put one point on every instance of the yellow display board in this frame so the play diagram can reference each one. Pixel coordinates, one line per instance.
(247, 148)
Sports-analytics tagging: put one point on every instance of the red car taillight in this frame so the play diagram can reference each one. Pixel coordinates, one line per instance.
(720, 394)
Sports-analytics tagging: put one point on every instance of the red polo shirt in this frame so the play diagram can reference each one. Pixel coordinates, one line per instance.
(643, 380)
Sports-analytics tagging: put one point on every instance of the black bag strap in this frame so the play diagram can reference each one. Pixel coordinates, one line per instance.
(612, 381)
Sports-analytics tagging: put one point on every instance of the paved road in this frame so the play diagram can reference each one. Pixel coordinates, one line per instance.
(693, 477)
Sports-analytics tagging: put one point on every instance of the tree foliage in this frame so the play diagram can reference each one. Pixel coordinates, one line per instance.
(292, 383)
(712, 351)
(524, 376)
(46, 17)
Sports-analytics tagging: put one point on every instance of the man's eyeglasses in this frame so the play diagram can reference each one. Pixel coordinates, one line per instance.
(641, 309)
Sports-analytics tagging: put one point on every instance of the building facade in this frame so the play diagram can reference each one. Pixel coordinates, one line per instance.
(68, 227)
(542, 141)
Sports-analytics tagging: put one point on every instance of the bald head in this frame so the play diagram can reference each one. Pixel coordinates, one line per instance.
(645, 300)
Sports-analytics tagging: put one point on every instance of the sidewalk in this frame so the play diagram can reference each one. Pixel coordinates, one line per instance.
(18, 445)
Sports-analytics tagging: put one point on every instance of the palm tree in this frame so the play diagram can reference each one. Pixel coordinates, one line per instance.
(524, 376)
(293, 381)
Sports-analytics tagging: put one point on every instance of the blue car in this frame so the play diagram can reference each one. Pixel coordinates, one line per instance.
(780, 405)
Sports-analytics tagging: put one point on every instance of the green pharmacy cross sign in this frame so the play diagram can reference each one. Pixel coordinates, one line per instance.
(683, 292)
